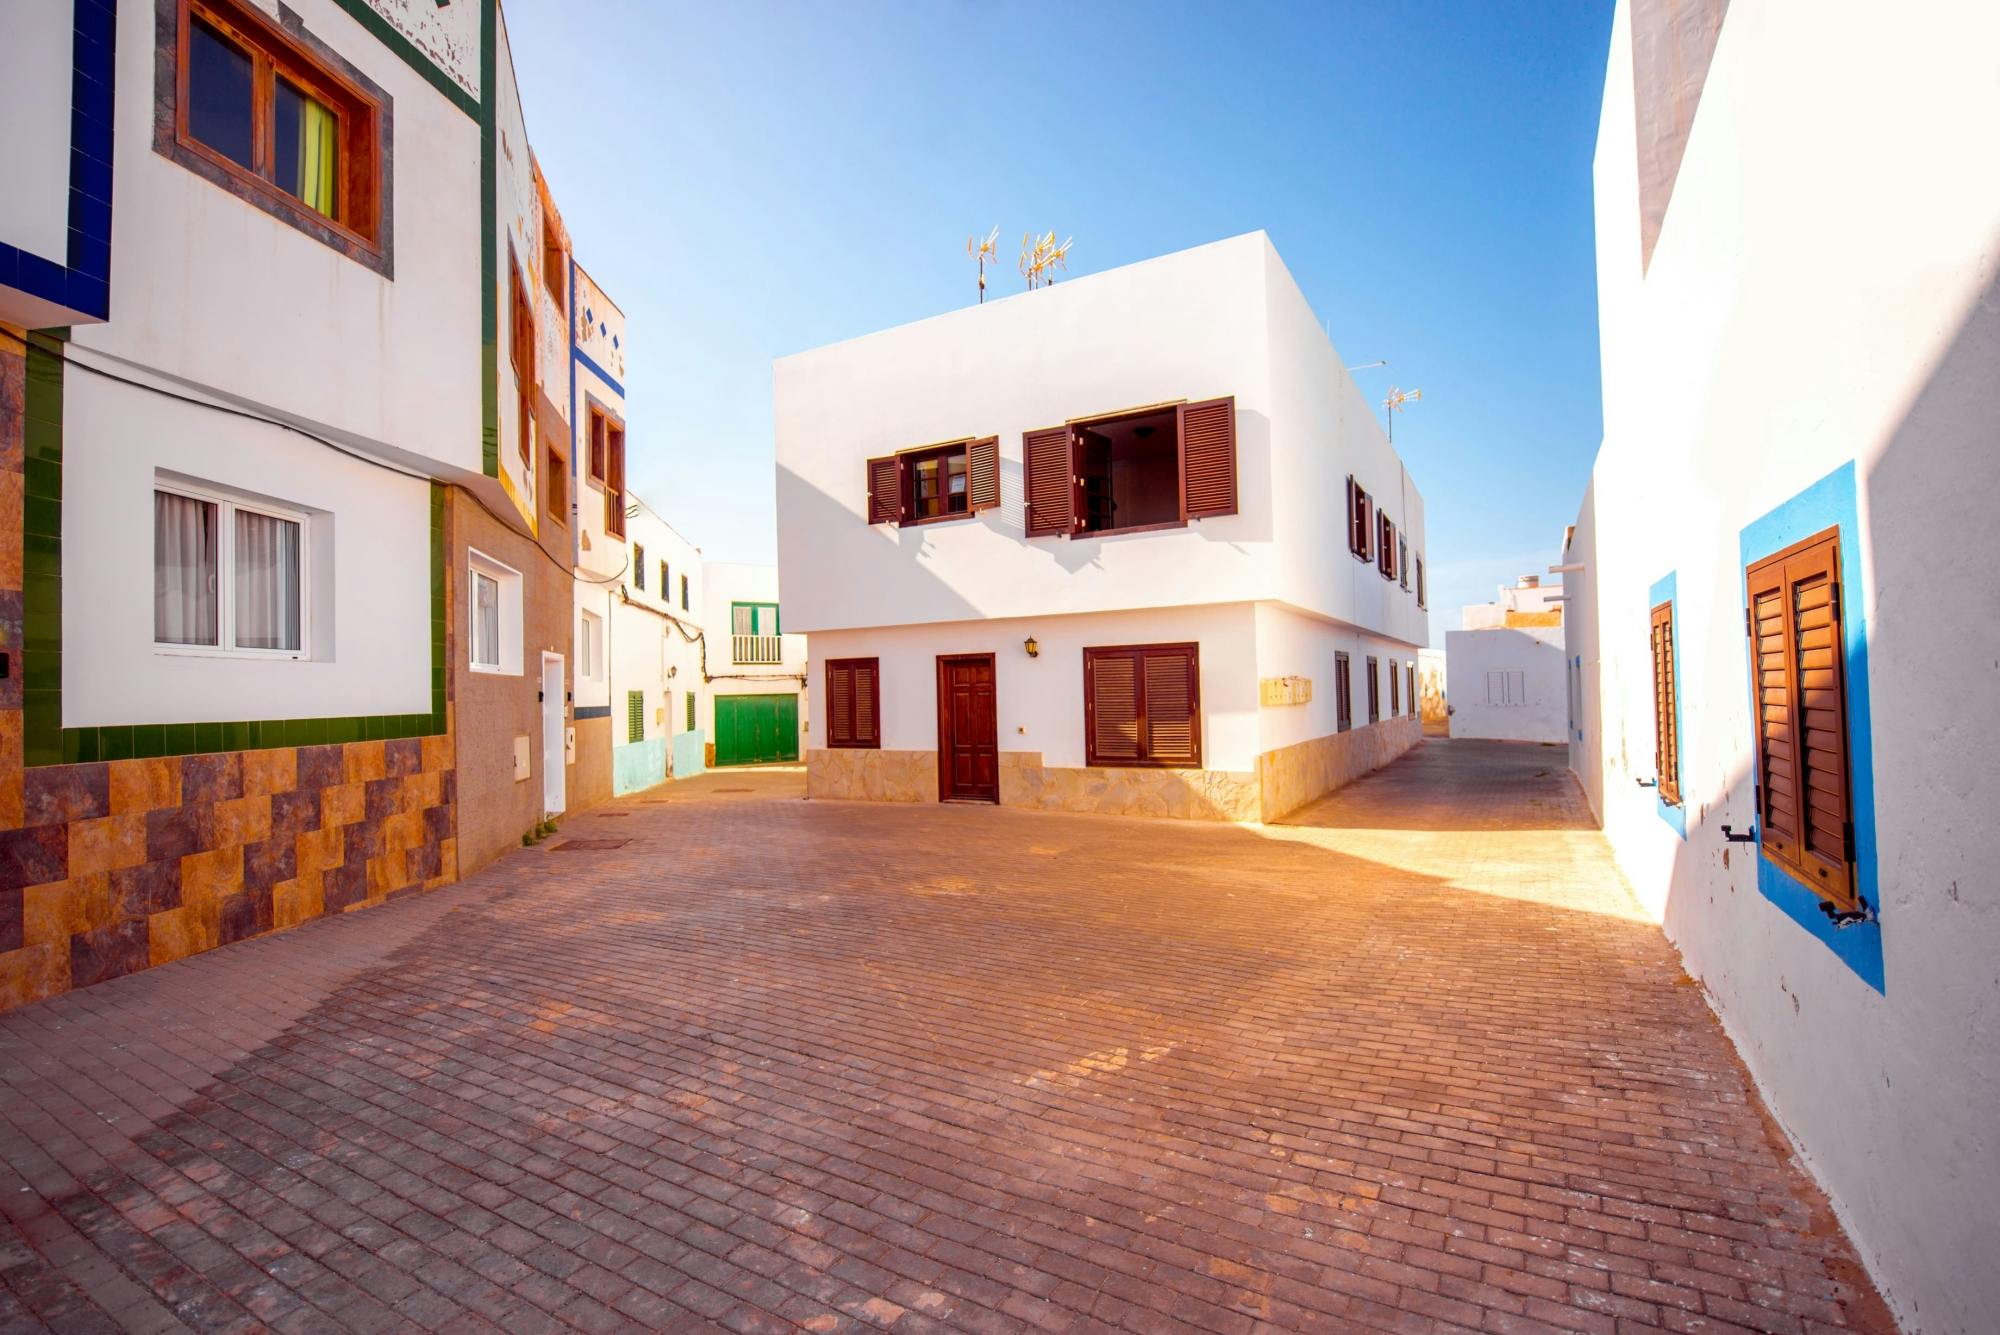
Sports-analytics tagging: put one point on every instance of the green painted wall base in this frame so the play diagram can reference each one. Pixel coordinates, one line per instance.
(638, 766)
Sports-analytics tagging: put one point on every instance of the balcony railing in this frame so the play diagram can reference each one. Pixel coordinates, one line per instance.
(756, 649)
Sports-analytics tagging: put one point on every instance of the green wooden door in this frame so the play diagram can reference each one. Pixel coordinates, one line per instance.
(756, 729)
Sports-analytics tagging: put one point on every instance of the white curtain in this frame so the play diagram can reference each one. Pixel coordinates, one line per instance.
(485, 620)
(184, 570)
(267, 582)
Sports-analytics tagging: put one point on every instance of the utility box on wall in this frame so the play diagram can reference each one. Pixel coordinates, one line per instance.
(523, 765)
(1285, 691)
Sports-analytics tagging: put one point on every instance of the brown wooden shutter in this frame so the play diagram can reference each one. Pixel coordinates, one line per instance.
(1343, 692)
(1111, 698)
(982, 472)
(839, 705)
(1798, 658)
(1812, 582)
(1777, 765)
(1051, 481)
(885, 490)
(853, 702)
(1172, 719)
(1666, 734)
(1208, 457)
(868, 703)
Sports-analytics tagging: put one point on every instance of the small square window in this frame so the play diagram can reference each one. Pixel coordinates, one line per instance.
(228, 575)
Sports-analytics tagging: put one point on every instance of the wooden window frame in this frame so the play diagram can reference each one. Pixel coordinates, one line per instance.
(556, 485)
(554, 281)
(1423, 599)
(360, 212)
(639, 566)
(1360, 521)
(1395, 688)
(596, 447)
(1834, 881)
(1374, 689)
(1412, 692)
(614, 477)
(1403, 560)
(1666, 721)
(684, 593)
(666, 581)
(1217, 418)
(849, 666)
(906, 482)
(521, 359)
(1343, 691)
(1385, 551)
(1140, 652)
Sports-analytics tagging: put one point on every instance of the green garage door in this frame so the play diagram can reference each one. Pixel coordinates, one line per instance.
(756, 729)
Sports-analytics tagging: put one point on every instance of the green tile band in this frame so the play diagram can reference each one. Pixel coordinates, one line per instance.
(44, 741)
(489, 241)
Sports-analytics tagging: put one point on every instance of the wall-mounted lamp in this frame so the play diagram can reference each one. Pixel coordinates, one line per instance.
(1033, 647)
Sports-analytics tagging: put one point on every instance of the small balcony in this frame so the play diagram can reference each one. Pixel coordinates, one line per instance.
(756, 649)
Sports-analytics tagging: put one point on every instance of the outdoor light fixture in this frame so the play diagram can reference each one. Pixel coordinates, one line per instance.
(1034, 649)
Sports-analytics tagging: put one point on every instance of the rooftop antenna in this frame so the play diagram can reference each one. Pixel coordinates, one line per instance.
(1041, 256)
(1395, 403)
(982, 251)
(1365, 366)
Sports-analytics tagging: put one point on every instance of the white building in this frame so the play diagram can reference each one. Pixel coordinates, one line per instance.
(1504, 674)
(1780, 621)
(1130, 543)
(755, 709)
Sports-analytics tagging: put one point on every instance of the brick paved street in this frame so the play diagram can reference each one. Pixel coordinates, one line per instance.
(1413, 1062)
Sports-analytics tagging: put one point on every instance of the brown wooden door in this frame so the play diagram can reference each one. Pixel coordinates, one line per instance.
(968, 729)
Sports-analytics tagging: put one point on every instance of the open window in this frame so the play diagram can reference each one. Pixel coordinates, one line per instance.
(1125, 472)
(1385, 550)
(936, 482)
(1359, 520)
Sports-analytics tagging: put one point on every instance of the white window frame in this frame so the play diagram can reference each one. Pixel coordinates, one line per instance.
(589, 646)
(479, 563)
(225, 574)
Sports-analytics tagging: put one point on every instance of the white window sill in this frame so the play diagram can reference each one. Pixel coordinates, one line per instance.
(214, 651)
(494, 670)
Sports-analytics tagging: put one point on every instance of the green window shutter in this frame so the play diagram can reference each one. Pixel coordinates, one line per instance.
(635, 716)
(690, 699)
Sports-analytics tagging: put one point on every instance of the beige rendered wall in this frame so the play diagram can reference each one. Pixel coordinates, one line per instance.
(489, 710)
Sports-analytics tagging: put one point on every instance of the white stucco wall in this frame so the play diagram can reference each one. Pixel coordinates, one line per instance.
(1212, 321)
(1294, 643)
(215, 292)
(369, 556)
(1822, 296)
(648, 652)
(1540, 714)
(35, 106)
(1039, 700)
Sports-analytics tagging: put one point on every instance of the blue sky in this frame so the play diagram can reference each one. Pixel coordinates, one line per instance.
(751, 179)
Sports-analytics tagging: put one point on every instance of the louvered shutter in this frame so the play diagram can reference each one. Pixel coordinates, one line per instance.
(839, 705)
(1798, 660)
(1051, 481)
(1666, 735)
(1208, 457)
(982, 470)
(1777, 763)
(867, 700)
(853, 702)
(1171, 719)
(1813, 596)
(885, 490)
(1113, 697)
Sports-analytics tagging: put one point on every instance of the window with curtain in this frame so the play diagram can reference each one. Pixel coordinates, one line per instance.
(485, 620)
(227, 576)
(278, 117)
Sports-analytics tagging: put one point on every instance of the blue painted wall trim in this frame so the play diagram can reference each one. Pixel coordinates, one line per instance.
(82, 282)
(690, 754)
(1673, 813)
(597, 370)
(593, 711)
(638, 765)
(1829, 503)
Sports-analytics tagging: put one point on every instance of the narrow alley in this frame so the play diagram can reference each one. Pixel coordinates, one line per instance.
(1414, 1060)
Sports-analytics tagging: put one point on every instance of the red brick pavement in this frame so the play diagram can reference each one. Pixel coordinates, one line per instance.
(1412, 1063)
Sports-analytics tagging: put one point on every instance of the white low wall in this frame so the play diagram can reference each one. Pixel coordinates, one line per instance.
(1528, 699)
